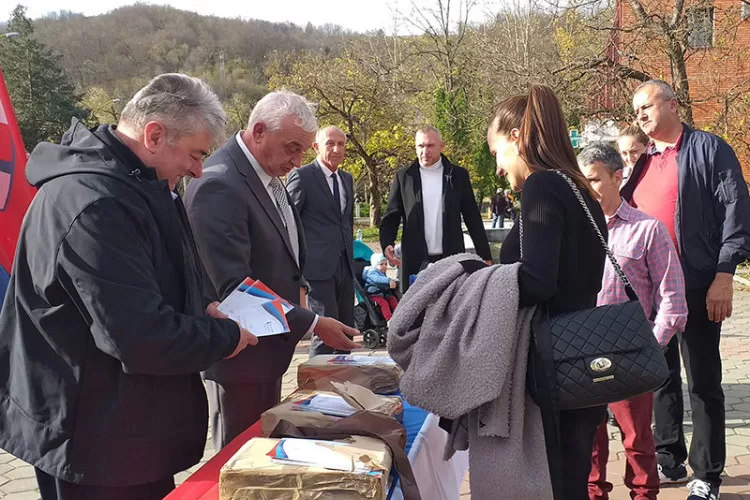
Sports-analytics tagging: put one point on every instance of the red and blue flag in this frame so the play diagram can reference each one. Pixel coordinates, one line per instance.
(15, 192)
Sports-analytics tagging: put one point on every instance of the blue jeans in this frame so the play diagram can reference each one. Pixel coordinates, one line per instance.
(498, 220)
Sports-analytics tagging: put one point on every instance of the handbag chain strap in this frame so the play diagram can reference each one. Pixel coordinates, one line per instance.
(620, 273)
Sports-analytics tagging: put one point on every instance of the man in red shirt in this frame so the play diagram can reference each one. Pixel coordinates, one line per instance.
(692, 182)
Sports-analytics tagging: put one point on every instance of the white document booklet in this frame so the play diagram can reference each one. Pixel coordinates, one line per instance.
(257, 308)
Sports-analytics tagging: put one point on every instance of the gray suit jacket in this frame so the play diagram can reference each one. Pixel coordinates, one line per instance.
(239, 233)
(328, 230)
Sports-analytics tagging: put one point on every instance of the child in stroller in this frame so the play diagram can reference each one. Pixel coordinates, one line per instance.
(367, 315)
(379, 286)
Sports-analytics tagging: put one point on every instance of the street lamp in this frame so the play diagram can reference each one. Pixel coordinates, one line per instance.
(10, 34)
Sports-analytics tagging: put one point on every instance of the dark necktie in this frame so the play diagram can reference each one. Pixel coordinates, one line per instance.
(336, 193)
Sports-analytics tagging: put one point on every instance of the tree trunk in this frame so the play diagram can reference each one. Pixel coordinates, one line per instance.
(374, 192)
(680, 78)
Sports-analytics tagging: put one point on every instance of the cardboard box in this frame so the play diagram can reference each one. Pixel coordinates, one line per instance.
(358, 469)
(380, 374)
(302, 408)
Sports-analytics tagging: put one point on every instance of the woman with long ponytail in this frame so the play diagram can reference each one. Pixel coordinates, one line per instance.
(561, 257)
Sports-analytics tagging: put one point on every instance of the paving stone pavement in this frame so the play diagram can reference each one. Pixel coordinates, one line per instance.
(17, 477)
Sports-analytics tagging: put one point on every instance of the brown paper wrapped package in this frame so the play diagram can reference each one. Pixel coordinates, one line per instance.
(319, 371)
(251, 474)
(359, 397)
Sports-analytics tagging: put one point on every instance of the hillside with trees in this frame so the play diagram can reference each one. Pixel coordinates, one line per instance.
(378, 88)
(111, 56)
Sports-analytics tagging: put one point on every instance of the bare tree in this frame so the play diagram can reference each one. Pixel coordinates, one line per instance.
(445, 28)
(360, 90)
(677, 42)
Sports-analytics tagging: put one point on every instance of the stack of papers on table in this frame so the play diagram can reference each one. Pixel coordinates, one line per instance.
(257, 308)
(348, 359)
(282, 469)
(325, 454)
(327, 404)
(380, 374)
(316, 408)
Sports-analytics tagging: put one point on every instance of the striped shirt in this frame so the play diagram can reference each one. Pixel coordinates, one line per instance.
(645, 251)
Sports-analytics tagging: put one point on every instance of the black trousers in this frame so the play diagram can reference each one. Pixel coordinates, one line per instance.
(569, 437)
(52, 488)
(336, 294)
(233, 407)
(699, 347)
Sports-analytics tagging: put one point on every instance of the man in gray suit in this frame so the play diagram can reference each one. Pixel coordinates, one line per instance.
(323, 195)
(246, 225)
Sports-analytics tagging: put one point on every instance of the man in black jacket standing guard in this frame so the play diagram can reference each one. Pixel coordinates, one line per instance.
(430, 196)
(105, 328)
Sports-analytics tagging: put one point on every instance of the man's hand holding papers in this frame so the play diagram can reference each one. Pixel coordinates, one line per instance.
(258, 309)
(246, 338)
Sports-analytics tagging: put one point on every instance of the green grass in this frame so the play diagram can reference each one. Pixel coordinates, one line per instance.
(371, 234)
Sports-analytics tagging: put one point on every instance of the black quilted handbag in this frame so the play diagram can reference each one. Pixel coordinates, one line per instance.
(595, 356)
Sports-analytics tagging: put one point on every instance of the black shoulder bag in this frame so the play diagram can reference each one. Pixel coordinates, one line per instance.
(595, 356)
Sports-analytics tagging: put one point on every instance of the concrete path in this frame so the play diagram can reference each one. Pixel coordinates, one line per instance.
(17, 478)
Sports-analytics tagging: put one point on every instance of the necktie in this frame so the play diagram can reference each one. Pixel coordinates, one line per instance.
(282, 204)
(285, 211)
(336, 192)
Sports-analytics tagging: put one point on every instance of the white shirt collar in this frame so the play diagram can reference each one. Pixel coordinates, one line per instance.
(436, 166)
(265, 179)
(327, 171)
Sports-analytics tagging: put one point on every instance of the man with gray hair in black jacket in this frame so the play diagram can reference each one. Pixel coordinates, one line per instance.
(105, 328)
(692, 182)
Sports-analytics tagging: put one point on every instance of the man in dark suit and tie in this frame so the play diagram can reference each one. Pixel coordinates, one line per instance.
(246, 225)
(430, 196)
(324, 198)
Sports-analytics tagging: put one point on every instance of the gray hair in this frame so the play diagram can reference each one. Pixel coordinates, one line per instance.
(320, 135)
(427, 129)
(184, 104)
(663, 89)
(274, 107)
(603, 153)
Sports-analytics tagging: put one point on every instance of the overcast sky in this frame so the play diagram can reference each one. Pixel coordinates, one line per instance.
(357, 15)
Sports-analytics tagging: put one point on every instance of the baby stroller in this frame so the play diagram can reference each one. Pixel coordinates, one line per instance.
(367, 316)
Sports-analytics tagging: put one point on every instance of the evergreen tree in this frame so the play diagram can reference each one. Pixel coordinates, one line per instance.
(43, 99)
